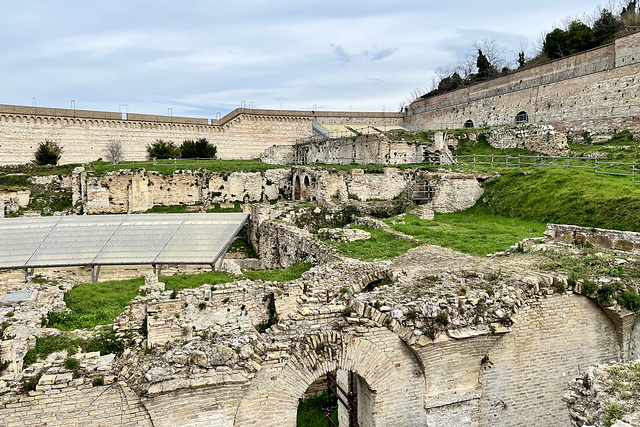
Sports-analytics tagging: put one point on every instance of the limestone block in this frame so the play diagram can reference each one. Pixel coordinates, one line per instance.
(1, 208)
(235, 187)
(21, 198)
(140, 199)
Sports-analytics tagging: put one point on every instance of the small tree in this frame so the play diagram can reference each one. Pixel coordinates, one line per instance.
(485, 68)
(200, 148)
(114, 152)
(48, 153)
(162, 150)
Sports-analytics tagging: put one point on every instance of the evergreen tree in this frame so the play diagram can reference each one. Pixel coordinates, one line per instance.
(485, 69)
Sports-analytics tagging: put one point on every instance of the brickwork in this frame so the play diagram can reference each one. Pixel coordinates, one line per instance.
(553, 338)
(79, 405)
(206, 406)
(389, 369)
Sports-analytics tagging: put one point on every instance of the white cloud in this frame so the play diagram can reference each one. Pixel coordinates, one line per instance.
(204, 56)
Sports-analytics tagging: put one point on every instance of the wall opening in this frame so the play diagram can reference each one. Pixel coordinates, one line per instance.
(339, 398)
(522, 117)
(468, 124)
(297, 191)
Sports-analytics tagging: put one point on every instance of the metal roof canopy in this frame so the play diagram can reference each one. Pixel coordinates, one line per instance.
(156, 239)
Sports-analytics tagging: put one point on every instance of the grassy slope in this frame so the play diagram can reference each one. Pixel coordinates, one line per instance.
(567, 196)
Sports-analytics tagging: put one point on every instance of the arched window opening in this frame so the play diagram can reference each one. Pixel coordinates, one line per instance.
(468, 124)
(522, 117)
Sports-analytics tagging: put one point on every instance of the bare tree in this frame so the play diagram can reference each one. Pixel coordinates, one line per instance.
(114, 152)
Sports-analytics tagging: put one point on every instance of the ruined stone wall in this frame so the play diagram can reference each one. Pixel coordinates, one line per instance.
(452, 192)
(362, 150)
(593, 91)
(126, 191)
(84, 135)
(551, 340)
(281, 245)
(627, 241)
(68, 404)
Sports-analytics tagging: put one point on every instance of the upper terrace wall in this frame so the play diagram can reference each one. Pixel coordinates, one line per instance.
(84, 135)
(595, 91)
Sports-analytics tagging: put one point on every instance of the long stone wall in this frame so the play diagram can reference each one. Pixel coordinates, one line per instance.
(84, 135)
(627, 241)
(594, 91)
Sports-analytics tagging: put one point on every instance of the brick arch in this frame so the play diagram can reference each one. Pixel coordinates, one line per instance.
(552, 339)
(392, 373)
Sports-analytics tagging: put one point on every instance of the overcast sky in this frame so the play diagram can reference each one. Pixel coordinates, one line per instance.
(202, 57)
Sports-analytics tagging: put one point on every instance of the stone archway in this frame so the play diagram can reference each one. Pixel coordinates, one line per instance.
(388, 367)
(297, 190)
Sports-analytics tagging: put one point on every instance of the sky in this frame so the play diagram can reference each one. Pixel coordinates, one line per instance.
(203, 58)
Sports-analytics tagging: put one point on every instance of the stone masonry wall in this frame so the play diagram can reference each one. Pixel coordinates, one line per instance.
(627, 241)
(84, 135)
(76, 405)
(593, 91)
(530, 367)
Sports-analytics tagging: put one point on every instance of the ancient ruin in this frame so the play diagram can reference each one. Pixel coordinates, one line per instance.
(426, 337)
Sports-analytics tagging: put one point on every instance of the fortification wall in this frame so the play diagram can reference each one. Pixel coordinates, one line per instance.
(84, 135)
(594, 91)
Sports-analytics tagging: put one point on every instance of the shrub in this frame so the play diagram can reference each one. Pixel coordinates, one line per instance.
(604, 294)
(443, 318)
(48, 153)
(98, 380)
(629, 300)
(30, 383)
(613, 410)
(200, 148)
(589, 286)
(162, 149)
(71, 363)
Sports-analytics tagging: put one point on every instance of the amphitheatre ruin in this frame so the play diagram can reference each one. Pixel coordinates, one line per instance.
(428, 336)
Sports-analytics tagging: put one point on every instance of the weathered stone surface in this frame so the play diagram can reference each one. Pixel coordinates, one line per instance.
(532, 137)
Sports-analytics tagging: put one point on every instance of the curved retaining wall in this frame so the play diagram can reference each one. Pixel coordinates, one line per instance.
(594, 91)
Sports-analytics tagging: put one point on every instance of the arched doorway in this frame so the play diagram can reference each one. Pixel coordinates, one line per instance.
(468, 124)
(340, 398)
(297, 191)
(394, 380)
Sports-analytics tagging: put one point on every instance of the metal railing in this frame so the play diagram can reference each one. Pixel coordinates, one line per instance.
(507, 161)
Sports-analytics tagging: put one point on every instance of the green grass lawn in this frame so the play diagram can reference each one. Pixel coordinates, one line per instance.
(95, 304)
(382, 245)
(475, 231)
